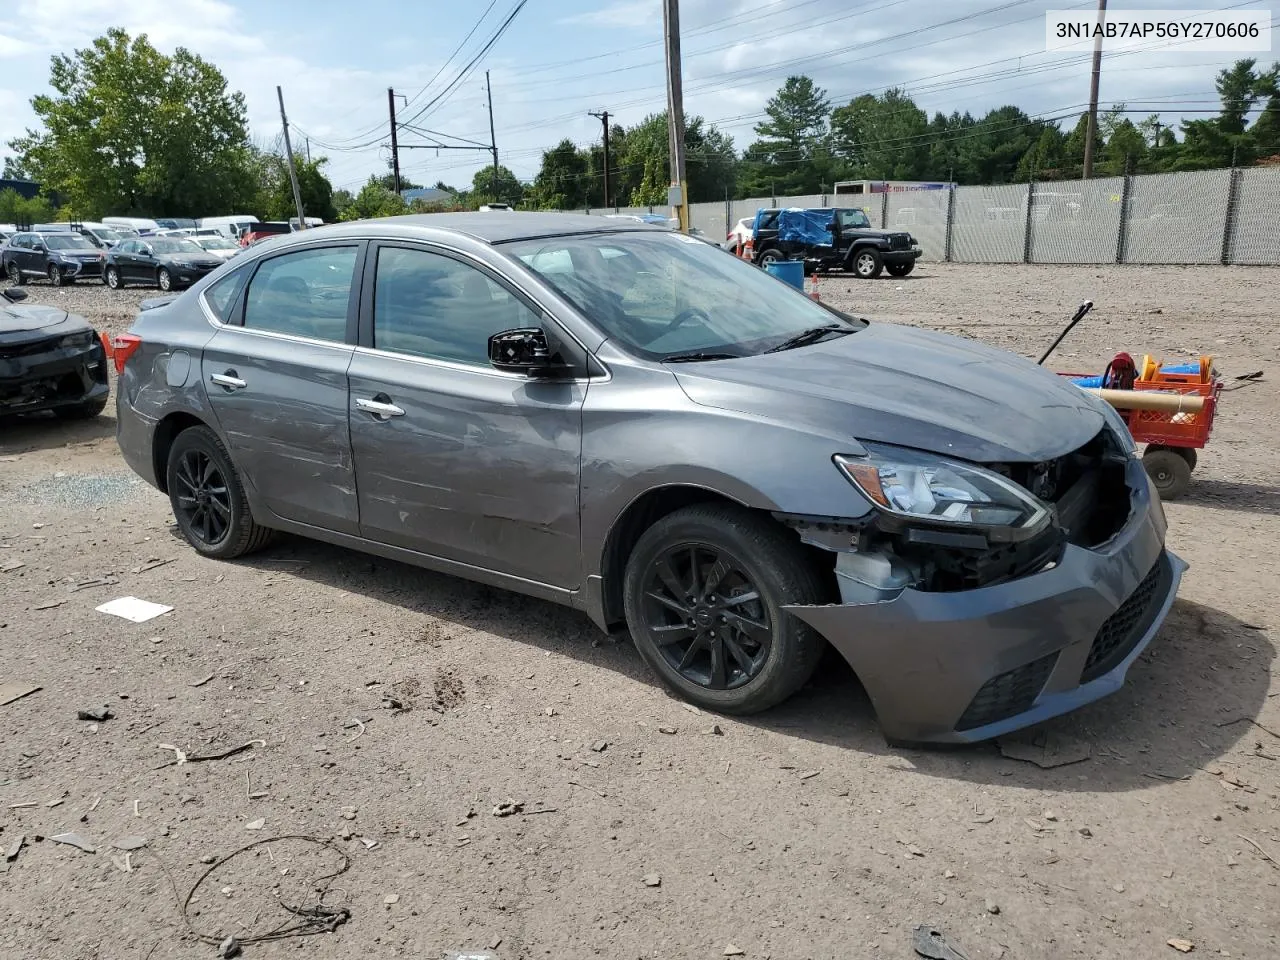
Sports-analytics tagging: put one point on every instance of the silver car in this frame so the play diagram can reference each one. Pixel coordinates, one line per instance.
(622, 419)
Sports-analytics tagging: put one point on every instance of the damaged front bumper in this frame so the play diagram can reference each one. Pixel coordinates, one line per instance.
(965, 666)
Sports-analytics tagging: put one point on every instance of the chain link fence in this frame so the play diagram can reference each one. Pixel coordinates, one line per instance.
(1198, 217)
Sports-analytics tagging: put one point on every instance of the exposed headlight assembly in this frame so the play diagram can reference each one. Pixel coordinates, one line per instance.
(922, 486)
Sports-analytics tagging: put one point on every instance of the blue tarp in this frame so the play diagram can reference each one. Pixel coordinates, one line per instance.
(810, 227)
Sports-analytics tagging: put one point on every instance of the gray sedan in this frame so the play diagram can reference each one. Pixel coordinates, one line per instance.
(622, 419)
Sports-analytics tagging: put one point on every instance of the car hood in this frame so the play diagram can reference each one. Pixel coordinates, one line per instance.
(33, 318)
(910, 387)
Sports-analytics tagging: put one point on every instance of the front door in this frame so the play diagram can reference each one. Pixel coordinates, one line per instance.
(453, 457)
(276, 376)
(127, 259)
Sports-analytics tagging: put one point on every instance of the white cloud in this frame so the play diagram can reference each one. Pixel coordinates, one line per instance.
(625, 13)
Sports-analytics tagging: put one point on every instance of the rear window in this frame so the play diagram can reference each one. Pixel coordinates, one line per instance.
(223, 296)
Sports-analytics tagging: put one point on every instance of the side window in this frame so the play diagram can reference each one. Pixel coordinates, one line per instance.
(304, 294)
(428, 305)
(221, 296)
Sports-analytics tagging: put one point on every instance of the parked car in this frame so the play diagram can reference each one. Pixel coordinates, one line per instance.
(742, 231)
(60, 257)
(98, 234)
(833, 238)
(49, 360)
(175, 223)
(217, 245)
(142, 226)
(230, 226)
(750, 475)
(167, 262)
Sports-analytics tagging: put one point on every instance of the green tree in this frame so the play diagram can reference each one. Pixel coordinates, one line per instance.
(561, 183)
(388, 180)
(17, 209)
(375, 200)
(644, 162)
(1125, 150)
(1045, 158)
(313, 186)
(883, 138)
(14, 169)
(342, 200)
(488, 186)
(131, 130)
(792, 149)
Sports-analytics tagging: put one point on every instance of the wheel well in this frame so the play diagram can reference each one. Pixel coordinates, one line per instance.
(167, 431)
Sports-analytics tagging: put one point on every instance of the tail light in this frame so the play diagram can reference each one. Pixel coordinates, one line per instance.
(124, 346)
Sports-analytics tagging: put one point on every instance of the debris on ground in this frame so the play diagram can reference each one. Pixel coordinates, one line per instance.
(667, 730)
(391, 899)
(201, 683)
(181, 756)
(96, 714)
(1085, 832)
(599, 746)
(731, 951)
(1181, 945)
(12, 690)
(508, 809)
(130, 843)
(993, 908)
(74, 840)
(133, 609)
(256, 824)
(229, 947)
(1045, 749)
(11, 565)
(930, 943)
(652, 880)
(715, 731)
(11, 850)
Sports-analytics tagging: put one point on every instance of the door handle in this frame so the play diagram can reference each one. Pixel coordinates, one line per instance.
(380, 409)
(229, 380)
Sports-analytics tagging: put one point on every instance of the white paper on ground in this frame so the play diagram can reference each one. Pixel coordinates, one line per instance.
(131, 608)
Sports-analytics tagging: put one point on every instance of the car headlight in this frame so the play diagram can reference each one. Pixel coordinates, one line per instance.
(1119, 428)
(923, 486)
(82, 339)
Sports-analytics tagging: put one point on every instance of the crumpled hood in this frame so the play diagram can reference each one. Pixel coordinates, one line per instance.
(23, 318)
(910, 387)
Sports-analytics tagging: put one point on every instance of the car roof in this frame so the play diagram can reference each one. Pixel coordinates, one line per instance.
(489, 226)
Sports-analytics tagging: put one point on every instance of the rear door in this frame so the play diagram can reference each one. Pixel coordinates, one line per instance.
(453, 457)
(276, 376)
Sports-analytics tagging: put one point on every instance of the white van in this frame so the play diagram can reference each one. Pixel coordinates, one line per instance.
(140, 225)
(231, 226)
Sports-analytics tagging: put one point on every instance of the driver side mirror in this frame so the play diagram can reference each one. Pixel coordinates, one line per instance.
(526, 350)
(15, 294)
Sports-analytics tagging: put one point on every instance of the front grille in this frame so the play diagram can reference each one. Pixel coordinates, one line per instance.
(1009, 694)
(1122, 630)
(13, 351)
(898, 241)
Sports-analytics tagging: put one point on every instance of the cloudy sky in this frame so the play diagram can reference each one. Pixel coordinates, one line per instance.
(560, 59)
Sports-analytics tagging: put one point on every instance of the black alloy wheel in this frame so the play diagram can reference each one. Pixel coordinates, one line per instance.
(706, 614)
(705, 591)
(202, 497)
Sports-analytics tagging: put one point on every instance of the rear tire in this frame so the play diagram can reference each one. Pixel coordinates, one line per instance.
(867, 263)
(83, 411)
(733, 649)
(769, 255)
(1169, 471)
(208, 498)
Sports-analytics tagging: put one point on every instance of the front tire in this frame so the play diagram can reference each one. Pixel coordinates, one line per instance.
(704, 593)
(900, 269)
(1169, 471)
(867, 263)
(113, 279)
(164, 279)
(14, 272)
(208, 499)
(56, 276)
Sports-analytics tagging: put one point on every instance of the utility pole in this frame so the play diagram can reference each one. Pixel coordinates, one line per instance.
(493, 141)
(395, 147)
(1091, 128)
(604, 118)
(307, 141)
(293, 169)
(675, 111)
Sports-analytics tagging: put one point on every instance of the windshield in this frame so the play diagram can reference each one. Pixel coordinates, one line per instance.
(107, 236)
(68, 242)
(853, 219)
(664, 294)
(171, 245)
(216, 243)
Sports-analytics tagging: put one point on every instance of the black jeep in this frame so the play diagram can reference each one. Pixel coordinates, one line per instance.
(833, 238)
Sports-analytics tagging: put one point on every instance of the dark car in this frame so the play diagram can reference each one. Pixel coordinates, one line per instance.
(833, 238)
(621, 418)
(175, 223)
(49, 360)
(166, 262)
(61, 258)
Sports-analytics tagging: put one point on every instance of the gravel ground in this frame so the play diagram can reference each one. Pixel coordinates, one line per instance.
(796, 834)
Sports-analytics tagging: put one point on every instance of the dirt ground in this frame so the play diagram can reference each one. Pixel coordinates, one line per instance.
(795, 834)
